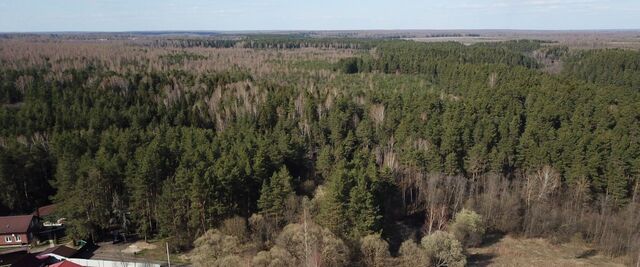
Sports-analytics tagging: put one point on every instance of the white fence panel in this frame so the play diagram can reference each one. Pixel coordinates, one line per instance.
(106, 263)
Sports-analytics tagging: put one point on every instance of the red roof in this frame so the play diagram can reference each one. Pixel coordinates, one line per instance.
(65, 264)
(45, 210)
(15, 224)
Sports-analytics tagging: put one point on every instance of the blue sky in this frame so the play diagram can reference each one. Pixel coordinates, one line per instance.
(143, 15)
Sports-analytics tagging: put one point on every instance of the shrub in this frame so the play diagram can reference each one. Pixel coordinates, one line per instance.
(263, 230)
(276, 257)
(235, 226)
(468, 228)
(313, 243)
(226, 261)
(214, 248)
(412, 255)
(444, 248)
(375, 251)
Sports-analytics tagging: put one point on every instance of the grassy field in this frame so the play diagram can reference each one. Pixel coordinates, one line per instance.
(510, 251)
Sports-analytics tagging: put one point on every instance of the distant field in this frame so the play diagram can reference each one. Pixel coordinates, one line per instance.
(467, 40)
(510, 251)
(572, 39)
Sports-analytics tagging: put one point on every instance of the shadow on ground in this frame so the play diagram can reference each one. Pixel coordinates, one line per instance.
(587, 254)
(87, 251)
(485, 259)
(482, 260)
(492, 238)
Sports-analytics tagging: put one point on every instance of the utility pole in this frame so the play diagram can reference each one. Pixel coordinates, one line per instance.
(168, 258)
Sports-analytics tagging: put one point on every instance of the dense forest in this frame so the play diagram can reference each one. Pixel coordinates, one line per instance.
(291, 151)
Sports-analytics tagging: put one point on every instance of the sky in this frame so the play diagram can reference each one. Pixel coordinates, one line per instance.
(240, 15)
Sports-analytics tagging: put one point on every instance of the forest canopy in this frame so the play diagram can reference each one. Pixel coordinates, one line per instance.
(378, 142)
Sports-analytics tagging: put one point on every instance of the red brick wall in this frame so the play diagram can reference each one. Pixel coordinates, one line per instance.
(23, 240)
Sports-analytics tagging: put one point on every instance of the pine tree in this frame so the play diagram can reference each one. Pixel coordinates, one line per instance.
(266, 197)
(144, 182)
(198, 198)
(324, 164)
(333, 208)
(362, 211)
(274, 194)
(174, 220)
(617, 181)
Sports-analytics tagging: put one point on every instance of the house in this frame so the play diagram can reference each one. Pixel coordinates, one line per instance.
(46, 213)
(17, 230)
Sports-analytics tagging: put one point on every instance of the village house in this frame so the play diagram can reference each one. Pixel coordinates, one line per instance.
(17, 230)
(47, 216)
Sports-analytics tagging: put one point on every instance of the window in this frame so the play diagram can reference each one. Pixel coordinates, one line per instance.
(18, 238)
(7, 239)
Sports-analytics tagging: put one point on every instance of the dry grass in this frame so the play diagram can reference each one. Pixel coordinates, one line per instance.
(510, 251)
(158, 253)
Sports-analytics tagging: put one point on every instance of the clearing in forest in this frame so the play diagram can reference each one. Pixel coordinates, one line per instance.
(511, 251)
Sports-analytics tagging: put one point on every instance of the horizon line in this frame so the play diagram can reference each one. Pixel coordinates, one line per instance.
(320, 30)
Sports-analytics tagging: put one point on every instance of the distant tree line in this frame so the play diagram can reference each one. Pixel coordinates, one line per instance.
(612, 66)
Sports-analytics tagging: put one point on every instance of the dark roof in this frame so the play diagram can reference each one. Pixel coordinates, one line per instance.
(15, 224)
(60, 250)
(11, 256)
(14, 250)
(28, 260)
(45, 210)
